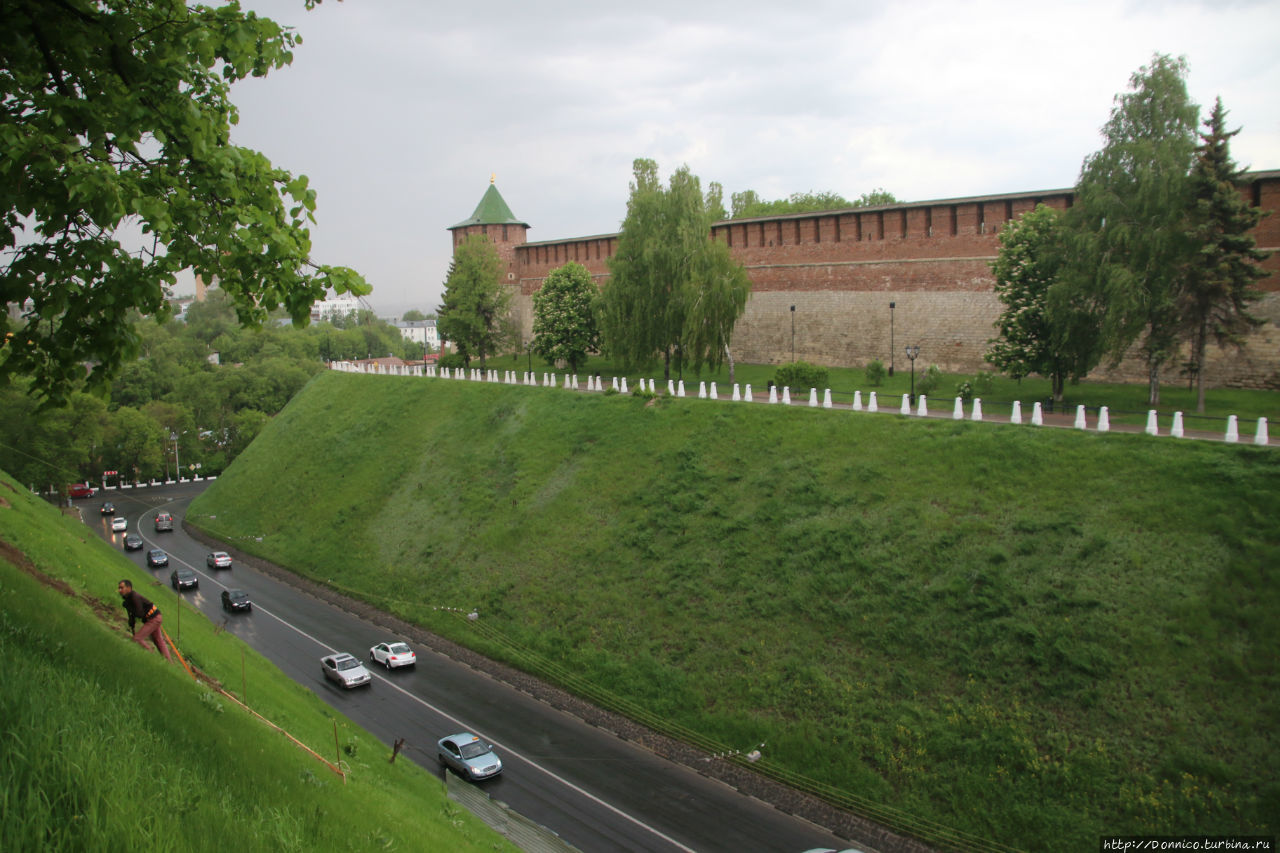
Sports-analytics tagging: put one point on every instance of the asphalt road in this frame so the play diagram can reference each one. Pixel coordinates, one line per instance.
(595, 790)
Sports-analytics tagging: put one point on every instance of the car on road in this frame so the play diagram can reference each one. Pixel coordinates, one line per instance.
(81, 490)
(218, 560)
(164, 523)
(156, 558)
(469, 755)
(119, 523)
(393, 655)
(344, 670)
(108, 508)
(132, 542)
(236, 601)
(184, 579)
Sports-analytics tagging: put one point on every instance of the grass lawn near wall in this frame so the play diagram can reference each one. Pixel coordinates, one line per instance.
(1127, 404)
(1034, 637)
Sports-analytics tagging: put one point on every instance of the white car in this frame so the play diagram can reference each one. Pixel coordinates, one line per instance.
(119, 523)
(344, 670)
(392, 655)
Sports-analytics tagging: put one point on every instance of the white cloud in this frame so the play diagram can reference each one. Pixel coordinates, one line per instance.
(399, 110)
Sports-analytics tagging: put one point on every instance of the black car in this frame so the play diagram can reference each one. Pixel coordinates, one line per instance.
(108, 508)
(184, 579)
(236, 599)
(132, 542)
(157, 558)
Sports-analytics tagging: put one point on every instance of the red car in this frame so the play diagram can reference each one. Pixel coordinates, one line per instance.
(81, 490)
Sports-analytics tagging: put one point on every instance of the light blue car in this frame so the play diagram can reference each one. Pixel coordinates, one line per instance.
(469, 755)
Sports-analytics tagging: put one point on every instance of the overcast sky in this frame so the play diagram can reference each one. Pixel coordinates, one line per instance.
(399, 110)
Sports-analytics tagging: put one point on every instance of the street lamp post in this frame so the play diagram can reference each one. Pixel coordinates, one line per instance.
(891, 347)
(177, 463)
(793, 334)
(912, 352)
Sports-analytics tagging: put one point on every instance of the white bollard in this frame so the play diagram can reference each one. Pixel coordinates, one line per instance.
(786, 395)
(615, 383)
(1015, 417)
(680, 388)
(773, 393)
(623, 389)
(1176, 429)
(746, 394)
(957, 412)
(857, 401)
(1104, 419)
(826, 399)
(566, 382)
(1233, 430)
(712, 392)
(671, 387)
(1260, 436)
(552, 383)
(575, 382)
(922, 410)
(1081, 422)
(1153, 426)
(872, 406)
(1037, 415)
(977, 408)
(906, 404)
(813, 398)
(737, 396)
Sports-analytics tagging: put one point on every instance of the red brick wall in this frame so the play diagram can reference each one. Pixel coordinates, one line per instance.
(842, 269)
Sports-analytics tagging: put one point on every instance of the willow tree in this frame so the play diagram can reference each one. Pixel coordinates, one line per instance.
(673, 293)
(1127, 232)
(1219, 285)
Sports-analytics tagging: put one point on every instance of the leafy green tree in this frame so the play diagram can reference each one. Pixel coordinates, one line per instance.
(413, 315)
(473, 316)
(564, 324)
(748, 204)
(715, 202)
(1127, 237)
(672, 290)
(1058, 345)
(115, 117)
(135, 445)
(1218, 291)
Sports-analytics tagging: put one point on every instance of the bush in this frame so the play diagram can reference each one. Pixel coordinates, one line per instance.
(984, 383)
(875, 372)
(800, 375)
(965, 390)
(929, 380)
(452, 360)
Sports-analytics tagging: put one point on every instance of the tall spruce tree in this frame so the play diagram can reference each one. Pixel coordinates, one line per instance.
(473, 315)
(1217, 293)
(1127, 237)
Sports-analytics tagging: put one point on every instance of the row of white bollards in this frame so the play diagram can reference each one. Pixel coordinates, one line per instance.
(1261, 436)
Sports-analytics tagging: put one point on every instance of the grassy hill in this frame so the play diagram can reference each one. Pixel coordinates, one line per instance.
(1032, 636)
(107, 747)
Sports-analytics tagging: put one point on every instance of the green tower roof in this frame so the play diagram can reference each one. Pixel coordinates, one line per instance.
(491, 210)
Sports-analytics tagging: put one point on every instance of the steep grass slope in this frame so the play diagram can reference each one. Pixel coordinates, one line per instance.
(1032, 636)
(107, 747)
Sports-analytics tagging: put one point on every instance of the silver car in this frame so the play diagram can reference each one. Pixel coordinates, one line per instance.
(344, 670)
(469, 755)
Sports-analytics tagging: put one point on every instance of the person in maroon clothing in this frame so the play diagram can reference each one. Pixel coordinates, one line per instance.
(139, 608)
